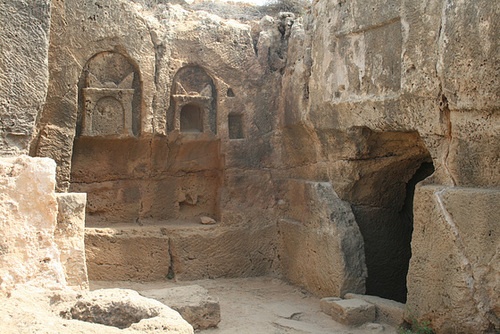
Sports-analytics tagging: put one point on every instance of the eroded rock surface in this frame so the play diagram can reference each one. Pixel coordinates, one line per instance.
(28, 205)
(104, 311)
(193, 303)
(322, 245)
(164, 114)
(452, 255)
(24, 71)
(70, 237)
(126, 309)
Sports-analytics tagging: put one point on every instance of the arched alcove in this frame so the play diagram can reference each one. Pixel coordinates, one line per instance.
(193, 88)
(107, 77)
(107, 146)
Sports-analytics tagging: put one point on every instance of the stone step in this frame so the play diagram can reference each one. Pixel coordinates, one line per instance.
(193, 302)
(350, 312)
(387, 311)
(187, 252)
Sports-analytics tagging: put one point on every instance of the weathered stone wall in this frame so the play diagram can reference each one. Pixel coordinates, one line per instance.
(24, 72)
(322, 245)
(42, 243)
(102, 27)
(158, 175)
(394, 87)
(454, 271)
(166, 116)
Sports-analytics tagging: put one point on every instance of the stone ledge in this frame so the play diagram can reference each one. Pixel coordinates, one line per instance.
(387, 311)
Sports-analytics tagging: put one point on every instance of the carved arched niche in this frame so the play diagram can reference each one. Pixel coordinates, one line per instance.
(109, 97)
(193, 106)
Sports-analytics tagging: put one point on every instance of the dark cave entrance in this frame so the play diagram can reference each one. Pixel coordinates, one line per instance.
(406, 220)
(382, 201)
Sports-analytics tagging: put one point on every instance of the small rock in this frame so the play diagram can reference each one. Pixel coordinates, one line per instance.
(352, 312)
(374, 327)
(207, 221)
(326, 304)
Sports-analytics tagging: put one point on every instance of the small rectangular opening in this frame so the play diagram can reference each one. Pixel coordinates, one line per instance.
(235, 123)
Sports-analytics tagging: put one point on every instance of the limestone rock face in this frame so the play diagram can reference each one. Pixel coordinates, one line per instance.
(127, 255)
(186, 252)
(163, 116)
(304, 138)
(70, 236)
(28, 205)
(454, 272)
(387, 69)
(322, 246)
(399, 72)
(24, 71)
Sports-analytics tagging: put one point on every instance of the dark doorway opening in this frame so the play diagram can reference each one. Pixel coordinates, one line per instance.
(382, 201)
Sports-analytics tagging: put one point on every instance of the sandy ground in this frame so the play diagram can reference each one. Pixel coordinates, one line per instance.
(260, 305)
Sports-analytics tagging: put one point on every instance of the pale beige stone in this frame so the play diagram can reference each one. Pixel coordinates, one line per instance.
(360, 95)
(352, 312)
(193, 303)
(24, 73)
(387, 311)
(455, 253)
(31, 310)
(127, 254)
(326, 304)
(70, 238)
(126, 309)
(207, 221)
(28, 206)
(322, 246)
(188, 252)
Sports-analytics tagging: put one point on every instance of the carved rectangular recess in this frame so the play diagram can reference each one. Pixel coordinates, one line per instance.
(235, 124)
(108, 112)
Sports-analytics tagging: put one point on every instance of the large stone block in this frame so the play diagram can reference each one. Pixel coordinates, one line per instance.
(187, 251)
(474, 155)
(454, 270)
(70, 236)
(322, 247)
(28, 217)
(387, 311)
(215, 251)
(126, 309)
(127, 254)
(193, 303)
(470, 42)
(351, 312)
